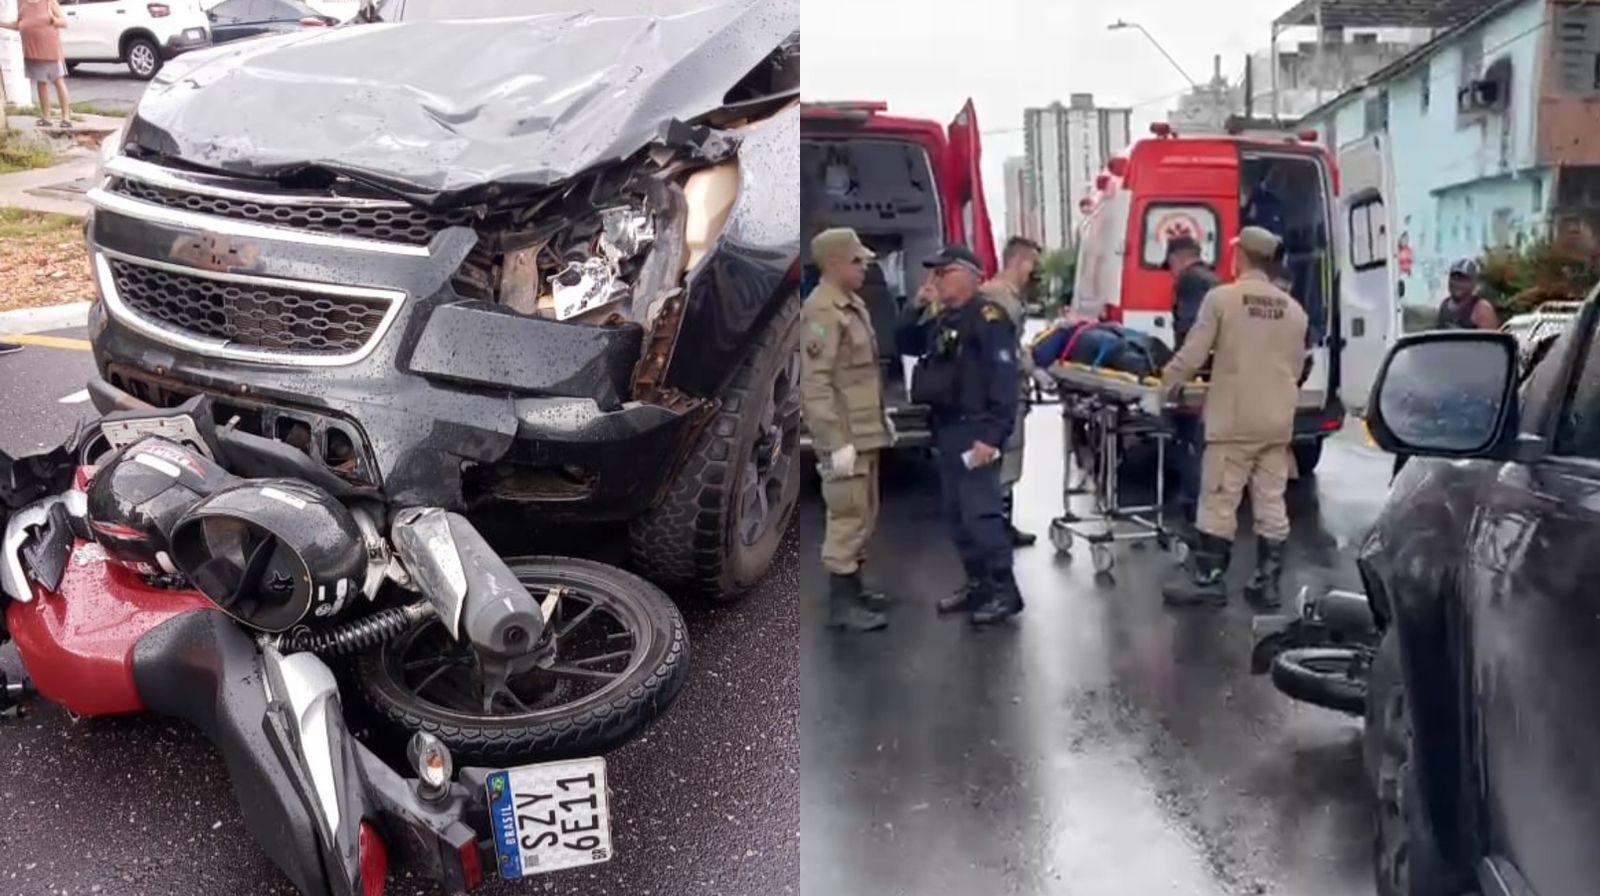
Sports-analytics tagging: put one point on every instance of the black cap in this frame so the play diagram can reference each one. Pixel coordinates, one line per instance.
(955, 254)
(1182, 244)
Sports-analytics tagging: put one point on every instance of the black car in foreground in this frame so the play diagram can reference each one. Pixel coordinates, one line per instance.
(1482, 575)
(485, 253)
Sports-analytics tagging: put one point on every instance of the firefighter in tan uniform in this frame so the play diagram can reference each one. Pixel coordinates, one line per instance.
(1255, 334)
(1017, 262)
(841, 393)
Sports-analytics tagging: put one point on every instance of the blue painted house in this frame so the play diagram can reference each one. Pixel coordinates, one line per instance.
(1489, 133)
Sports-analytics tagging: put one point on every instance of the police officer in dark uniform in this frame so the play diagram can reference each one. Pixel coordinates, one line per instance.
(1192, 280)
(968, 378)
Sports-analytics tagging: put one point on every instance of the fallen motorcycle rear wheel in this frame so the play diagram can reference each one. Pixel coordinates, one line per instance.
(614, 655)
(1330, 677)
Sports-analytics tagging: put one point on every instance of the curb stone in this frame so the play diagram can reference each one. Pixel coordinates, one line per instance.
(40, 320)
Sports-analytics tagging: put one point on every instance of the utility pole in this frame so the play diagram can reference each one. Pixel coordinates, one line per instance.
(1322, 37)
(1249, 87)
(1274, 73)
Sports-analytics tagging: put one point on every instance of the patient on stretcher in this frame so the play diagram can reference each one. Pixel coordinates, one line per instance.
(1106, 346)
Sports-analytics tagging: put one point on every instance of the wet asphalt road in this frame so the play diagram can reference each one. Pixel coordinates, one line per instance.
(706, 802)
(108, 86)
(1102, 745)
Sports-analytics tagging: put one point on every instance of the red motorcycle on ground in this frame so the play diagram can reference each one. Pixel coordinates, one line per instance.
(161, 562)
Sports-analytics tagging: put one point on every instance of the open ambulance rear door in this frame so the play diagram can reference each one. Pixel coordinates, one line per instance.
(963, 188)
(1369, 304)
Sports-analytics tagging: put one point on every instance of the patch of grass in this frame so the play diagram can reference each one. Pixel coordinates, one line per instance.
(77, 109)
(19, 223)
(22, 153)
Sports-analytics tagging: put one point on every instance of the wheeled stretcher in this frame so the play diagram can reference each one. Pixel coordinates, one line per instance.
(1104, 413)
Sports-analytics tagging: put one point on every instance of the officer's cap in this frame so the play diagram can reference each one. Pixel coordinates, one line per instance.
(1258, 241)
(838, 244)
(955, 255)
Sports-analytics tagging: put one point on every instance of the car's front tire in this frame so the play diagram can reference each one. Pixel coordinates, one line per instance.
(1407, 860)
(731, 503)
(143, 56)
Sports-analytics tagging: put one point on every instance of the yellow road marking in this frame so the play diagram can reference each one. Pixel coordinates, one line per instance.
(77, 345)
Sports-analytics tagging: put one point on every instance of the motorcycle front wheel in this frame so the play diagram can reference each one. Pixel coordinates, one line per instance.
(614, 654)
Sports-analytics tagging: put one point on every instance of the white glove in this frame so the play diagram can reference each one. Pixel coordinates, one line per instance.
(843, 461)
(1152, 402)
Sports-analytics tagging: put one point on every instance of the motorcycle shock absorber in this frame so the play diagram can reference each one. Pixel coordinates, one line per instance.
(359, 634)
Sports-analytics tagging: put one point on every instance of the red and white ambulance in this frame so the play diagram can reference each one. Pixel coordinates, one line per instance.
(1210, 187)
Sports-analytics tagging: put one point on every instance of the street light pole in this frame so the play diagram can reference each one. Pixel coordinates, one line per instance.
(1119, 25)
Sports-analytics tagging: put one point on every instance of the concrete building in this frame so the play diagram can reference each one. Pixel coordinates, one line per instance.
(1309, 74)
(1067, 146)
(1206, 109)
(1022, 217)
(1488, 130)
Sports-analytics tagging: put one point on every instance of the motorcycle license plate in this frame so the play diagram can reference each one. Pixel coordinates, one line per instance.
(550, 816)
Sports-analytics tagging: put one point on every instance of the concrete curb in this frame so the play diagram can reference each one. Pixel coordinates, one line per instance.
(42, 320)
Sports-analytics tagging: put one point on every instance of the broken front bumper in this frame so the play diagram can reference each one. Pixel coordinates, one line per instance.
(399, 387)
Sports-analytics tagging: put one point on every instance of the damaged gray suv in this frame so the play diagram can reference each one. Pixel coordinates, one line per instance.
(469, 256)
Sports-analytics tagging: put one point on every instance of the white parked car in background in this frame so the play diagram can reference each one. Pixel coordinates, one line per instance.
(140, 33)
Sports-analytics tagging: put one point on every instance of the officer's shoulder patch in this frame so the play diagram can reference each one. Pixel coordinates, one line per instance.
(993, 313)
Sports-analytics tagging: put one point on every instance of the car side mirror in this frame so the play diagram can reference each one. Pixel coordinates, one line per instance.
(1447, 394)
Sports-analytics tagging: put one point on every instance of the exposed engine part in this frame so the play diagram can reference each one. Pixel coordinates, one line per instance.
(358, 634)
(519, 280)
(580, 288)
(624, 233)
(380, 560)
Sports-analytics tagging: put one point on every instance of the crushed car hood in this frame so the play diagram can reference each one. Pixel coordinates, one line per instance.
(435, 108)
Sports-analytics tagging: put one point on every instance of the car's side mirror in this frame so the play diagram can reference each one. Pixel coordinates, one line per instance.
(1447, 394)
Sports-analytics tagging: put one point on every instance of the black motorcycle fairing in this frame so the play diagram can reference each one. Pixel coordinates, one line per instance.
(26, 479)
(202, 668)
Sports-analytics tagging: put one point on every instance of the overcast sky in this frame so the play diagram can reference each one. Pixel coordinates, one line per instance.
(925, 57)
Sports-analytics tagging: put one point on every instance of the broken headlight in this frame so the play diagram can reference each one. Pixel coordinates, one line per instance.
(584, 284)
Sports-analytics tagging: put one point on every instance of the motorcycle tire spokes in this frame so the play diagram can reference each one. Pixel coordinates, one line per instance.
(585, 647)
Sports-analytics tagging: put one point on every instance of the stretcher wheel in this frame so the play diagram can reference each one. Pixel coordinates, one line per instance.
(1061, 536)
(1102, 558)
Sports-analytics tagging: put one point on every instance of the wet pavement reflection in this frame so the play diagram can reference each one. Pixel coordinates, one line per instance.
(1102, 745)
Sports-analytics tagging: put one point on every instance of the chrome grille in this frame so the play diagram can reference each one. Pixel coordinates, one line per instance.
(392, 223)
(248, 315)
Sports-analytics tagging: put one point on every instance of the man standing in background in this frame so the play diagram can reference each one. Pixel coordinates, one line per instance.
(1465, 308)
(1192, 280)
(1008, 289)
(841, 394)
